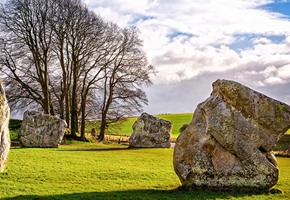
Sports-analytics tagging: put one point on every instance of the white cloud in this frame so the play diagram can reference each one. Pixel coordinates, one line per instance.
(262, 40)
(272, 81)
(284, 72)
(274, 75)
(269, 71)
(212, 24)
(188, 40)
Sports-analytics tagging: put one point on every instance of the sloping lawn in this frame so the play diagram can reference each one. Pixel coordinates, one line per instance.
(99, 171)
(125, 126)
(177, 121)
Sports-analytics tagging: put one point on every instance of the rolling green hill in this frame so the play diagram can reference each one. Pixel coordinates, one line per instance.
(125, 127)
(177, 121)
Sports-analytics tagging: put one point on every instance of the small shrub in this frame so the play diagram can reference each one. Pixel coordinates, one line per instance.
(15, 124)
(14, 135)
(14, 127)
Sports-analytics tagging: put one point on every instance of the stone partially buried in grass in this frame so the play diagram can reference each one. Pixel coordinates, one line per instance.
(4, 130)
(227, 145)
(150, 131)
(41, 130)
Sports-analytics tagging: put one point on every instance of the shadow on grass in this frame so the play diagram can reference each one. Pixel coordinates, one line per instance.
(117, 148)
(125, 148)
(140, 195)
(120, 148)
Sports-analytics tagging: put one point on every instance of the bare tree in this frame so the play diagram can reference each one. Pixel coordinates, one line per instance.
(26, 49)
(46, 47)
(62, 84)
(57, 55)
(81, 46)
(125, 75)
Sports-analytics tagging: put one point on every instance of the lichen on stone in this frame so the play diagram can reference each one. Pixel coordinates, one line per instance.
(228, 144)
(150, 131)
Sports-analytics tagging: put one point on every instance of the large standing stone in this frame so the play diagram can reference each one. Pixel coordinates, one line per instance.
(150, 131)
(41, 130)
(4, 130)
(228, 144)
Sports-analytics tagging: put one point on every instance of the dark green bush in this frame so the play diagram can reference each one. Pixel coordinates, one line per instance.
(15, 124)
(14, 127)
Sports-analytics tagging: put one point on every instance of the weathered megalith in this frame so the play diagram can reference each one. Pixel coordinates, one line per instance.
(41, 130)
(227, 145)
(4, 130)
(150, 131)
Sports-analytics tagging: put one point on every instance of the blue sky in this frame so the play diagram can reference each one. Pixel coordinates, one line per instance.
(192, 43)
(281, 7)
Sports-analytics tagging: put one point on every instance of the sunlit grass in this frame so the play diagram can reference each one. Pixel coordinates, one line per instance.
(125, 126)
(177, 121)
(98, 171)
(85, 167)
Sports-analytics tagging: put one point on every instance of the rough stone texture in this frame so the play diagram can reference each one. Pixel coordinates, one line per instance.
(41, 130)
(150, 131)
(228, 144)
(4, 130)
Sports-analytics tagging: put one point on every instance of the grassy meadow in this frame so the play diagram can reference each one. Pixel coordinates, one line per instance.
(78, 170)
(107, 171)
(125, 127)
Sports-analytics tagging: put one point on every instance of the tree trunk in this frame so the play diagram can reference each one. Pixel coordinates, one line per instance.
(47, 106)
(61, 108)
(83, 117)
(101, 136)
(105, 108)
(51, 109)
(67, 109)
(73, 120)
(74, 106)
(83, 125)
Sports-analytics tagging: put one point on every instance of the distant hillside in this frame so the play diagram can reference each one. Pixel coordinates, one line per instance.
(177, 121)
(125, 127)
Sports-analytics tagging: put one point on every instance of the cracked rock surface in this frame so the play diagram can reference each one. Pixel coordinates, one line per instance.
(227, 145)
(41, 130)
(150, 132)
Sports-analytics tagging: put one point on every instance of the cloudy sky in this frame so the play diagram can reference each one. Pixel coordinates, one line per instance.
(192, 43)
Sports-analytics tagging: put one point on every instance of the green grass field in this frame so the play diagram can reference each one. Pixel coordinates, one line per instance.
(125, 127)
(177, 121)
(99, 171)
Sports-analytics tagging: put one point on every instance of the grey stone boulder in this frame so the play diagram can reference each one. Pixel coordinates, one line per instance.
(227, 145)
(41, 130)
(150, 132)
(4, 129)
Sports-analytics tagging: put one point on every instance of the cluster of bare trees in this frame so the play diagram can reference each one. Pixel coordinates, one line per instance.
(60, 57)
